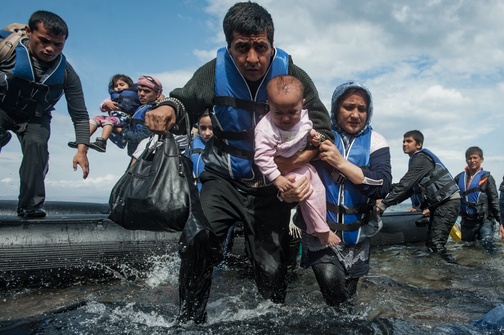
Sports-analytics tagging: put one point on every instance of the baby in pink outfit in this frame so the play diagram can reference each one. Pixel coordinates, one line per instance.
(284, 131)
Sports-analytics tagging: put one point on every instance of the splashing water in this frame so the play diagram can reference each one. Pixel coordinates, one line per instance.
(406, 292)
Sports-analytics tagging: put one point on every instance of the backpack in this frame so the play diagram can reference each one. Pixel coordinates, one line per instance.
(9, 43)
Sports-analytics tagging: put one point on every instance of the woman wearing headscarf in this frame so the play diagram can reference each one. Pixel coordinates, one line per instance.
(356, 171)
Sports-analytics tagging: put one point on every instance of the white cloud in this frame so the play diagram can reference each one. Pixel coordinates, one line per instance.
(438, 95)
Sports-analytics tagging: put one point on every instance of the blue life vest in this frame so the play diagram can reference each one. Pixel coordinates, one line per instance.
(473, 200)
(197, 148)
(230, 152)
(26, 95)
(347, 208)
(128, 102)
(138, 118)
(137, 126)
(437, 186)
(127, 99)
(118, 140)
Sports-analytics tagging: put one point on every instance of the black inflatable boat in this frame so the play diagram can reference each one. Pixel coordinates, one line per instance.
(76, 242)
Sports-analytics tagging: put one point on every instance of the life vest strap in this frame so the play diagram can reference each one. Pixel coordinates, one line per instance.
(471, 190)
(234, 135)
(445, 188)
(345, 226)
(472, 217)
(477, 207)
(341, 209)
(233, 151)
(435, 178)
(43, 88)
(249, 106)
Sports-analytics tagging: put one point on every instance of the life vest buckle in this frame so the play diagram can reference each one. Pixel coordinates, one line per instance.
(338, 177)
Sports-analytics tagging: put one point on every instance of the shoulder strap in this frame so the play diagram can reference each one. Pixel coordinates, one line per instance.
(484, 181)
(197, 151)
(9, 43)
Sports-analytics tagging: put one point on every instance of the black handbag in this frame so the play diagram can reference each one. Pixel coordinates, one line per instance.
(155, 193)
(159, 193)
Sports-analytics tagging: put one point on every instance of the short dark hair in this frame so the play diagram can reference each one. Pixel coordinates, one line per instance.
(474, 151)
(417, 136)
(52, 22)
(247, 18)
(123, 77)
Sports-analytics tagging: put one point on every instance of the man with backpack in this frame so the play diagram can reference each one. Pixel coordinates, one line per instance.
(32, 80)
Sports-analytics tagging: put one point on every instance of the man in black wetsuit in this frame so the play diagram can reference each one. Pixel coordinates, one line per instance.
(32, 81)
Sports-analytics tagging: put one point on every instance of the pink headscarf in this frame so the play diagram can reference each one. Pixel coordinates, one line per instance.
(150, 82)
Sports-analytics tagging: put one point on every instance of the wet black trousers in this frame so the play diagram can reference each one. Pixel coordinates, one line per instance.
(481, 230)
(33, 137)
(442, 219)
(336, 288)
(266, 221)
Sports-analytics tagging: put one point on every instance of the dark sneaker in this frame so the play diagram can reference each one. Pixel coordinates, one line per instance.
(100, 145)
(5, 137)
(34, 213)
(73, 145)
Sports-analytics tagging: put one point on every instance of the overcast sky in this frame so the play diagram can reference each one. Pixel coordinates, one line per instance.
(435, 66)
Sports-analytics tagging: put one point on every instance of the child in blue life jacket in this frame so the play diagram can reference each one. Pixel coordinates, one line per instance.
(205, 132)
(121, 105)
(479, 201)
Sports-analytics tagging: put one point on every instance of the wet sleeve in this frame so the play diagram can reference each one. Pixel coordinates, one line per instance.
(493, 199)
(419, 167)
(378, 178)
(76, 105)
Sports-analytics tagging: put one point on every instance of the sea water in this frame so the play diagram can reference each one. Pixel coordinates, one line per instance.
(406, 291)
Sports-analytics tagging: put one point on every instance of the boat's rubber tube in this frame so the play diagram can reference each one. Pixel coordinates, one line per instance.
(8, 207)
(64, 248)
(401, 228)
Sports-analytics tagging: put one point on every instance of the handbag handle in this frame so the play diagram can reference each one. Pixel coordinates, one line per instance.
(171, 150)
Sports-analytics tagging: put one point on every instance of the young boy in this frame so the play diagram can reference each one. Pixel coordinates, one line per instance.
(479, 202)
(284, 131)
(437, 191)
